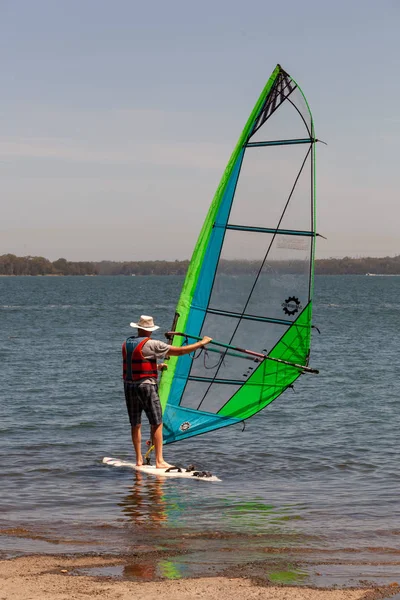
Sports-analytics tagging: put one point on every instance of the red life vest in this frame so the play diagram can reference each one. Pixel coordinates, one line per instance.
(135, 365)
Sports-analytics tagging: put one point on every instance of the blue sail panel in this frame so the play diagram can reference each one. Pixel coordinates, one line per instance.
(180, 422)
(205, 282)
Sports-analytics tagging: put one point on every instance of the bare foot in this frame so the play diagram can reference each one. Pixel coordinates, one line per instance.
(139, 461)
(163, 465)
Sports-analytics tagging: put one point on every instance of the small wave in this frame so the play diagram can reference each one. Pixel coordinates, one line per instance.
(36, 307)
(351, 465)
(164, 306)
(12, 306)
(391, 306)
(352, 306)
(82, 425)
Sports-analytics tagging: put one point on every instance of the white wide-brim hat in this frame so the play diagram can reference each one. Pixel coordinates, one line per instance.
(145, 322)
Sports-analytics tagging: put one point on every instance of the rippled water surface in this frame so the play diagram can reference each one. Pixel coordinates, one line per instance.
(320, 465)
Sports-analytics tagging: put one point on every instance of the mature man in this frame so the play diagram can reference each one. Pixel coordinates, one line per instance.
(140, 373)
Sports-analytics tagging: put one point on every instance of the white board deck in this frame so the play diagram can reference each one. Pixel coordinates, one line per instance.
(152, 470)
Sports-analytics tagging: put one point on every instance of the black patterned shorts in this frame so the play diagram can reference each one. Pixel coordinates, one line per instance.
(142, 397)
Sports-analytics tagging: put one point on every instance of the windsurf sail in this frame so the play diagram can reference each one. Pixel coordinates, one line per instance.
(250, 280)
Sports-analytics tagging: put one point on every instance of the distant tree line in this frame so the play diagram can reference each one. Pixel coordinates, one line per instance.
(37, 265)
(146, 267)
(389, 265)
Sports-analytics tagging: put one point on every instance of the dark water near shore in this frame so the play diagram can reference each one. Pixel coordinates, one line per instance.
(317, 469)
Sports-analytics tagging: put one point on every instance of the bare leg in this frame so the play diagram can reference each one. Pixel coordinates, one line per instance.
(137, 443)
(158, 446)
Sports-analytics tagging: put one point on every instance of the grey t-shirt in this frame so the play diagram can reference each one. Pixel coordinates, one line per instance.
(154, 349)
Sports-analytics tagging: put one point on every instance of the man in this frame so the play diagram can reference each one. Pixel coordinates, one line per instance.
(140, 373)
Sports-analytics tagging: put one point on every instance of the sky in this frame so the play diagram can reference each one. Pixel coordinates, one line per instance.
(117, 119)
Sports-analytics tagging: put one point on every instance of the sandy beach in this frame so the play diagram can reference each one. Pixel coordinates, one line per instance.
(60, 578)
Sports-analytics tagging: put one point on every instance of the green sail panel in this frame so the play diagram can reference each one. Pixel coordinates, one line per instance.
(271, 378)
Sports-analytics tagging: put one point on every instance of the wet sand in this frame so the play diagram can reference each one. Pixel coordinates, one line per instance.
(58, 578)
(42, 565)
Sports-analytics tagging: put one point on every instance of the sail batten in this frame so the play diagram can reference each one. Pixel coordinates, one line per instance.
(250, 280)
(266, 230)
(236, 315)
(279, 143)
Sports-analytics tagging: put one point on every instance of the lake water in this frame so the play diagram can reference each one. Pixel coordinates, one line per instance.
(316, 471)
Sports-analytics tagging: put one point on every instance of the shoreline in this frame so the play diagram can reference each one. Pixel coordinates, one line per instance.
(38, 565)
(49, 577)
(325, 274)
